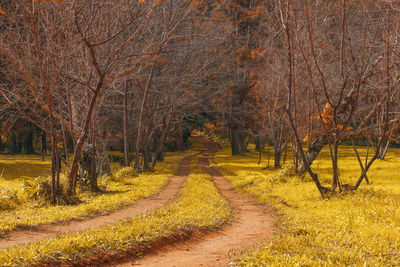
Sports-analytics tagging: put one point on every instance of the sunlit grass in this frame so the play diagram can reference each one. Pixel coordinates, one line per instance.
(118, 193)
(198, 206)
(359, 228)
(15, 168)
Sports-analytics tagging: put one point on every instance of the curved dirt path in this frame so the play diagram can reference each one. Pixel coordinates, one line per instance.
(141, 206)
(252, 224)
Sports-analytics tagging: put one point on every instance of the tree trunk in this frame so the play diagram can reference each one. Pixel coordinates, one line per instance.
(260, 150)
(335, 167)
(284, 156)
(1, 144)
(383, 150)
(20, 146)
(93, 169)
(29, 143)
(14, 143)
(146, 157)
(312, 153)
(258, 143)
(180, 142)
(159, 154)
(125, 115)
(53, 188)
(81, 140)
(237, 141)
(141, 117)
(278, 153)
(103, 161)
(44, 145)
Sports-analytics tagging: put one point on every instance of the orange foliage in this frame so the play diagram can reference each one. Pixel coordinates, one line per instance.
(327, 113)
(327, 116)
(210, 126)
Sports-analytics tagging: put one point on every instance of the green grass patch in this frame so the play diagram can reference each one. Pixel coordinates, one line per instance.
(360, 228)
(198, 206)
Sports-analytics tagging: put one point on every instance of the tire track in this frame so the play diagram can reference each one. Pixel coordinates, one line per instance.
(252, 224)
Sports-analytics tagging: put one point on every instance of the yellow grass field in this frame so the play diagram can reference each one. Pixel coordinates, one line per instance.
(198, 206)
(359, 228)
(19, 211)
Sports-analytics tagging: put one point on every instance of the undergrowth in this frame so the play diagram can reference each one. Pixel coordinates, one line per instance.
(359, 228)
(198, 206)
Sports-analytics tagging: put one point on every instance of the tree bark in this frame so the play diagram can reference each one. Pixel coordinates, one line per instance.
(142, 110)
(237, 141)
(104, 162)
(278, 153)
(14, 143)
(44, 145)
(81, 140)
(29, 142)
(125, 115)
(159, 147)
(313, 152)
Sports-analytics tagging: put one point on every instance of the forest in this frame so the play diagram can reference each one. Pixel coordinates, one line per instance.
(199, 133)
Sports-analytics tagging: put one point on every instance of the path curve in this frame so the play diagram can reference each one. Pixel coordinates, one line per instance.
(252, 224)
(141, 206)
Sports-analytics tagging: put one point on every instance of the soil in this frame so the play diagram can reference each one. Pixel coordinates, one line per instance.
(252, 224)
(141, 206)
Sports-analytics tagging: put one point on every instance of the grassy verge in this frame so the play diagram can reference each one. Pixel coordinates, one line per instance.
(198, 206)
(118, 193)
(352, 229)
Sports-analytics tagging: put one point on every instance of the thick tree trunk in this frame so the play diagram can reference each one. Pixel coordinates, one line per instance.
(313, 152)
(237, 140)
(88, 165)
(278, 153)
(158, 153)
